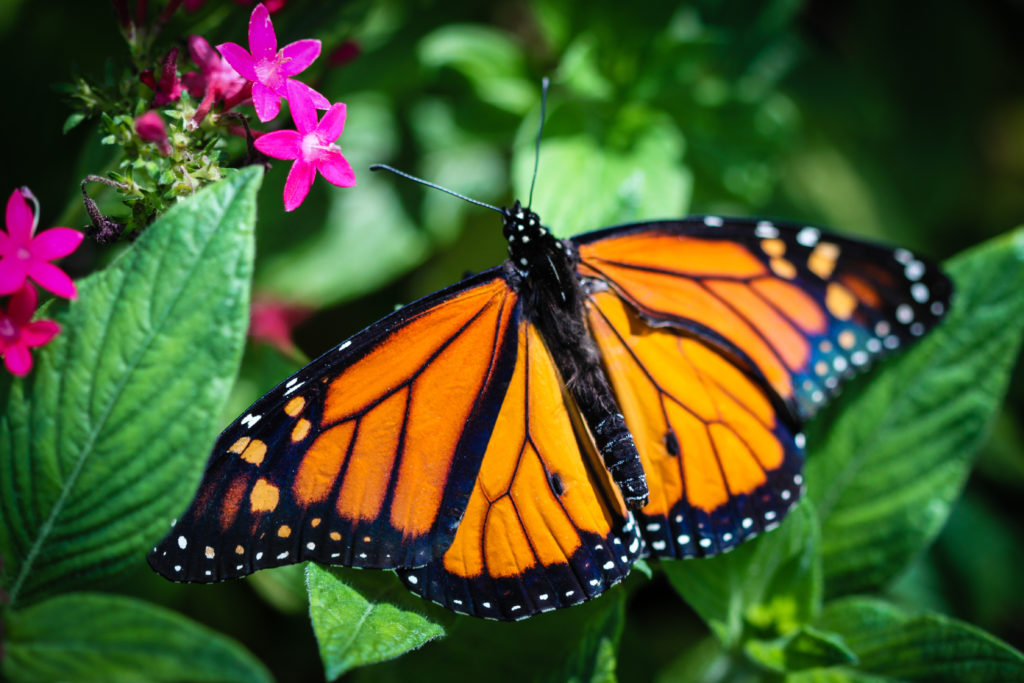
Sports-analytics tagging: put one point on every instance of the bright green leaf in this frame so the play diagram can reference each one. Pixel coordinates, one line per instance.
(804, 648)
(353, 632)
(94, 637)
(101, 444)
(489, 58)
(889, 467)
(595, 658)
(771, 584)
(584, 185)
(895, 645)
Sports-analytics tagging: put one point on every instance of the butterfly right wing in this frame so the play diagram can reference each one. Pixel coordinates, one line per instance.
(367, 456)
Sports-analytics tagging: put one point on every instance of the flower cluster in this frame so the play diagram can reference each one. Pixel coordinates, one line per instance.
(186, 126)
(312, 144)
(25, 257)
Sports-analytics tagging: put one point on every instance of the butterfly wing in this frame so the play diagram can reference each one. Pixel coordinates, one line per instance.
(721, 465)
(801, 308)
(365, 457)
(545, 526)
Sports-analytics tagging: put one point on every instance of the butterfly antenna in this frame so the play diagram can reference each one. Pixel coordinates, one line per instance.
(544, 83)
(421, 181)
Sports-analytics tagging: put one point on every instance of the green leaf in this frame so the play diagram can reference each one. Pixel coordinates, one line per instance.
(284, 588)
(595, 658)
(72, 121)
(891, 464)
(94, 637)
(352, 631)
(896, 645)
(771, 584)
(489, 58)
(101, 444)
(804, 648)
(584, 184)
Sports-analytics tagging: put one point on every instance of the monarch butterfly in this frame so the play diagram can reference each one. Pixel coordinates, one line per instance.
(511, 444)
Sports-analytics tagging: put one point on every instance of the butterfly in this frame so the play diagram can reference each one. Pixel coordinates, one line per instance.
(513, 443)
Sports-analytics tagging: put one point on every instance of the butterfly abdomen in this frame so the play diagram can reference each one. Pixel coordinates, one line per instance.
(553, 297)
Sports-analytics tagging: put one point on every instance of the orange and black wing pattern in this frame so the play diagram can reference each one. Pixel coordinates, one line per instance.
(367, 456)
(802, 308)
(721, 463)
(545, 526)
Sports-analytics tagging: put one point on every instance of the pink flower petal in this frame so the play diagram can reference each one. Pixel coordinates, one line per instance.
(266, 101)
(332, 124)
(13, 272)
(52, 278)
(303, 112)
(55, 243)
(239, 59)
(19, 218)
(39, 332)
(319, 101)
(299, 55)
(23, 305)
(335, 169)
(195, 83)
(205, 57)
(262, 39)
(300, 179)
(280, 144)
(6, 243)
(18, 360)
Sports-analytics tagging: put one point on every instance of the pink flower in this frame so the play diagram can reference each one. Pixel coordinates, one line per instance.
(18, 334)
(150, 128)
(23, 256)
(215, 80)
(270, 69)
(272, 321)
(312, 146)
(168, 88)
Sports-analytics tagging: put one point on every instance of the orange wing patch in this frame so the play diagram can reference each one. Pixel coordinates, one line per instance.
(545, 527)
(716, 455)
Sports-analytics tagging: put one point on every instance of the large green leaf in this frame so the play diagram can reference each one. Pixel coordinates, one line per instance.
(94, 637)
(583, 184)
(101, 444)
(891, 644)
(889, 467)
(352, 631)
(770, 585)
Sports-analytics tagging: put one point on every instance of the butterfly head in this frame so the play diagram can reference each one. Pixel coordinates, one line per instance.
(528, 241)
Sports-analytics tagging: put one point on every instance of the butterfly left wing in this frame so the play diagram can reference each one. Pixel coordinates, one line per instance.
(366, 457)
(722, 465)
(545, 526)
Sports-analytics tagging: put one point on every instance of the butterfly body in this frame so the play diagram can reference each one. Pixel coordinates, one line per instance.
(513, 443)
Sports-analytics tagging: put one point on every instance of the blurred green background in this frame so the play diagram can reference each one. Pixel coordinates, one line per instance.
(901, 122)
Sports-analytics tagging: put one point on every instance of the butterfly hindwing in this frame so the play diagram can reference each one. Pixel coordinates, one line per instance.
(721, 464)
(800, 307)
(365, 457)
(545, 527)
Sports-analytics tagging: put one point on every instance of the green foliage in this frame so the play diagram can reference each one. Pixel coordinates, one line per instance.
(888, 642)
(767, 586)
(895, 458)
(93, 637)
(352, 631)
(93, 471)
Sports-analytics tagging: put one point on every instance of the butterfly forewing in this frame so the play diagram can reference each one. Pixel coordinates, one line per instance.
(802, 308)
(367, 456)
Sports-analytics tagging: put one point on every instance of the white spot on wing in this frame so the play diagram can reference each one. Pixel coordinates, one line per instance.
(250, 420)
(808, 236)
(182, 542)
(713, 221)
